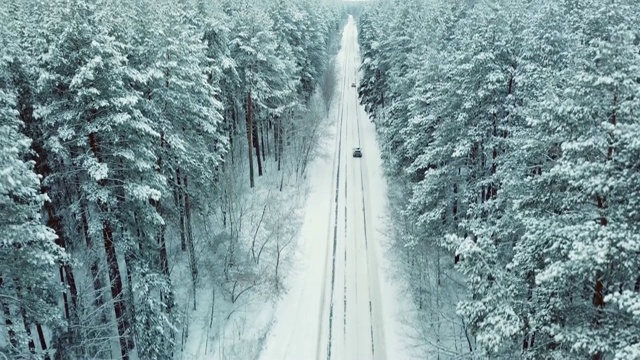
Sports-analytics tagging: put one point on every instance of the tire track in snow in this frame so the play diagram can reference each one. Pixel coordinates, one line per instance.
(364, 217)
(346, 201)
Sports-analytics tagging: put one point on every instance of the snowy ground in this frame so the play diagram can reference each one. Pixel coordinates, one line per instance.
(342, 303)
(219, 328)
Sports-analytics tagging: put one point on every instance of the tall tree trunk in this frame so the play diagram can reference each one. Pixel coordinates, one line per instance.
(54, 222)
(280, 144)
(232, 133)
(117, 293)
(250, 139)
(492, 191)
(180, 192)
(162, 243)
(261, 136)
(483, 165)
(261, 128)
(256, 145)
(43, 341)
(65, 297)
(598, 303)
(129, 261)
(266, 135)
(166, 297)
(66, 277)
(275, 139)
(454, 212)
(95, 273)
(192, 252)
(224, 197)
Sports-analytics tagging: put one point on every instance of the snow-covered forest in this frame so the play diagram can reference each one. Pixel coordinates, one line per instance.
(151, 156)
(510, 129)
(156, 158)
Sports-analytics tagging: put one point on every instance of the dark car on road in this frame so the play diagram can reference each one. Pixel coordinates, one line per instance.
(357, 152)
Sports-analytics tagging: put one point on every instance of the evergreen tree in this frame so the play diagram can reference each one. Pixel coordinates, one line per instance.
(28, 252)
(90, 106)
(115, 121)
(517, 127)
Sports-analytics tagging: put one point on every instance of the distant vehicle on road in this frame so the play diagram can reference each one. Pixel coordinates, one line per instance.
(353, 84)
(357, 152)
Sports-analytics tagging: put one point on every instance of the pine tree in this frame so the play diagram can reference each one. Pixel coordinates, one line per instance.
(372, 87)
(125, 111)
(91, 108)
(265, 72)
(593, 228)
(28, 252)
(517, 128)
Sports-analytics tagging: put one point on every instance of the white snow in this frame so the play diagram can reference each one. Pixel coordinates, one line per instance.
(342, 304)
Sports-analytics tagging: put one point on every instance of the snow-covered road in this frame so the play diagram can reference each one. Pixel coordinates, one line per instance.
(336, 308)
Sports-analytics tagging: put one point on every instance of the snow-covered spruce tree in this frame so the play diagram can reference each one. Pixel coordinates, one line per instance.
(29, 40)
(303, 33)
(520, 127)
(265, 73)
(25, 18)
(532, 152)
(28, 253)
(588, 268)
(310, 46)
(569, 258)
(444, 139)
(181, 97)
(123, 107)
(403, 71)
(372, 85)
(91, 110)
(462, 111)
(486, 70)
